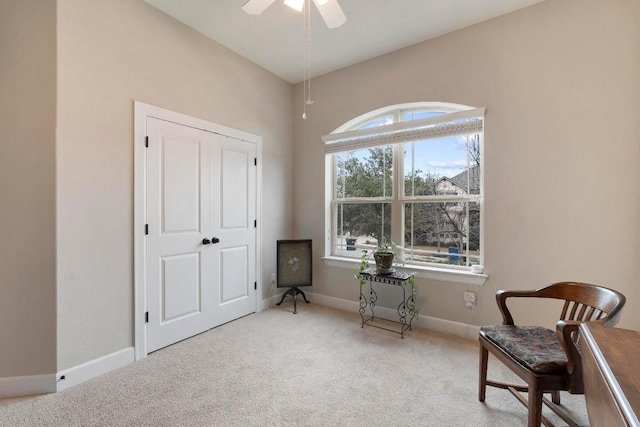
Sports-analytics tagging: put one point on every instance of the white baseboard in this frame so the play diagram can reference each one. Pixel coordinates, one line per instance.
(52, 383)
(432, 323)
(27, 385)
(270, 302)
(339, 303)
(266, 303)
(94, 368)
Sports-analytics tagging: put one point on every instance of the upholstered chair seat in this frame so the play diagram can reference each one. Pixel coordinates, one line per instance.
(535, 347)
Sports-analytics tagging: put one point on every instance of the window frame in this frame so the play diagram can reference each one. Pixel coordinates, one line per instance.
(398, 199)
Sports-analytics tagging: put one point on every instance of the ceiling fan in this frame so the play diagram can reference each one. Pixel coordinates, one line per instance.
(330, 10)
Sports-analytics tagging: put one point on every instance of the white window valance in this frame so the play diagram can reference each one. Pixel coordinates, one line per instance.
(452, 124)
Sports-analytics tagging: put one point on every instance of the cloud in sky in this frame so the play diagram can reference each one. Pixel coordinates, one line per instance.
(457, 164)
(461, 143)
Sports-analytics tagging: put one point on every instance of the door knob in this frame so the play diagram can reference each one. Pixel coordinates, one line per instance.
(215, 240)
(206, 241)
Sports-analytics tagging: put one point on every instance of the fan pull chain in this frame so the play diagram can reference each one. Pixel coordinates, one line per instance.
(307, 56)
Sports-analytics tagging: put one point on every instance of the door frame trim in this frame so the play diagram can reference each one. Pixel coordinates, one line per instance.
(143, 111)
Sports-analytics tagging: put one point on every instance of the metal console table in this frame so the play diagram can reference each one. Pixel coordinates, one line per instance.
(406, 308)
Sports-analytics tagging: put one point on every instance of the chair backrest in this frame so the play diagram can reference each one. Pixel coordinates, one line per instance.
(584, 302)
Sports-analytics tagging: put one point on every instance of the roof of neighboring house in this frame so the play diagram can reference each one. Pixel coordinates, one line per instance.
(462, 178)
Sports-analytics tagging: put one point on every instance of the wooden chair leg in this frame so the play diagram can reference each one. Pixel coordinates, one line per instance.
(482, 383)
(535, 406)
(555, 397)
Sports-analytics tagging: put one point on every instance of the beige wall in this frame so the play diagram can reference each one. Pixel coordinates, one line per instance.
(110, 54)
(27, 187)
(560, 82)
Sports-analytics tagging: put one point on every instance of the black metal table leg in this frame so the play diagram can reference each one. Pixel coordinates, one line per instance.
(294, 291)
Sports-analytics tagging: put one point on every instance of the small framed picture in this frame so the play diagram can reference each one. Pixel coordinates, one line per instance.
(294, 263)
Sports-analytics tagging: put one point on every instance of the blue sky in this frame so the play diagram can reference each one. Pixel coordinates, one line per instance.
(443, 157)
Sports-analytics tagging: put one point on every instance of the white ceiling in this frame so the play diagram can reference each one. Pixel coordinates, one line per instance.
(275, 40)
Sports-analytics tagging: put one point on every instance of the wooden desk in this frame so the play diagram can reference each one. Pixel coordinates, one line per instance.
(611, 373)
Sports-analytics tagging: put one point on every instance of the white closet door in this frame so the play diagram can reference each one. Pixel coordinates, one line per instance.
(233, 198)
(178, 263)
(201, 242)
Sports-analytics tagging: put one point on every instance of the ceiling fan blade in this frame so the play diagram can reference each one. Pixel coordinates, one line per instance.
(331, 12)
(256, 7)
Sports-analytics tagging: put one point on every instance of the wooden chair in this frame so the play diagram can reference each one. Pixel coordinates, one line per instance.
(548, 361)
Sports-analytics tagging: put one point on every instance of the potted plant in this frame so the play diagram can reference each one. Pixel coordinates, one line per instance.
(383, 256)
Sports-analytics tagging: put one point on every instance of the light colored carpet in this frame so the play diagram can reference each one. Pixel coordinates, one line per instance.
(315, 368)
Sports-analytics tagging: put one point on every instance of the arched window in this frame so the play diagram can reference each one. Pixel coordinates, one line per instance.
(408, 174)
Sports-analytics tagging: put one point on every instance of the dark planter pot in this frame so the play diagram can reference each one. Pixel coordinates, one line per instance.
(384, 262)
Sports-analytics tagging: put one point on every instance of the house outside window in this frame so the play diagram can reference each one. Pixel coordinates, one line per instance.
(409, 174)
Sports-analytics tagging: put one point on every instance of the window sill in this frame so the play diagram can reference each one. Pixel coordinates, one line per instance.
(434, 273)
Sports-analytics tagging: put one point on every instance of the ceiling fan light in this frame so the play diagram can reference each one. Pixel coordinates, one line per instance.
(295, 4)
(331, 12)
(256, 7)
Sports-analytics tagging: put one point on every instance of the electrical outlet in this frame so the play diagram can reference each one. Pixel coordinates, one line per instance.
(469, 299)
